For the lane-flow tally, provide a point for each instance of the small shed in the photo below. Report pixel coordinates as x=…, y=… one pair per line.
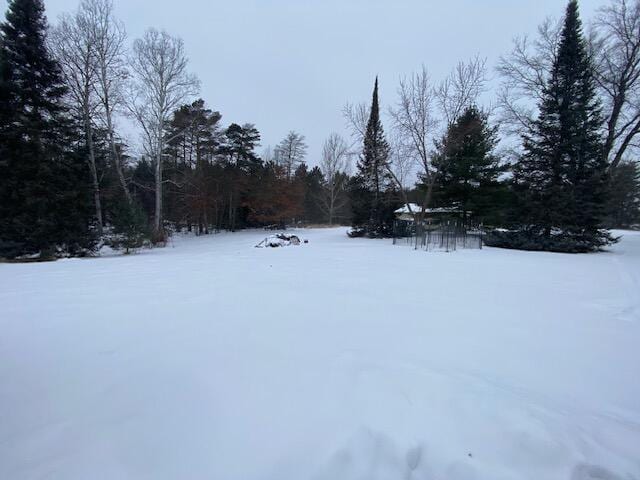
x=431, y=215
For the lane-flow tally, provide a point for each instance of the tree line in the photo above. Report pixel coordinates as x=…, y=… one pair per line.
x=68, y=179
x=550, y=160
x=568, y=110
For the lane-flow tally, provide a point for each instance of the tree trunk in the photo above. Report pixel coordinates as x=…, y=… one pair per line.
x=230, y=226
x=118, y=165
x=331, y=208
x=157, y=221
x=94, y=172
x=115, y=156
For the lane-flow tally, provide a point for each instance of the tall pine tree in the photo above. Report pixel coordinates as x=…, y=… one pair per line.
x=44, y=200
x=370, y=189
x=561, y=178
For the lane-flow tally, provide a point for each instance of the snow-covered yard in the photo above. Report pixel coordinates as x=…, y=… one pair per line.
x=341, y=359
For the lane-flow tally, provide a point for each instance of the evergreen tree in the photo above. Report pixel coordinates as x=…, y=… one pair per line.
x=194, y=139
x=370, y=189
x=142, y=186
x=130, y=226
x=314, y=182
x=44, y=196
x=561, y=178
x=623, y=206
x=467, y=169
x=297, y=190
x=276, y=199
x=241, y=160
x=291, y=151
x=360, y=201
x=240, y=145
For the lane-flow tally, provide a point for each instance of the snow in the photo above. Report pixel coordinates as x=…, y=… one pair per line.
x=346, y=359
x=415, y=208
x=279, y=240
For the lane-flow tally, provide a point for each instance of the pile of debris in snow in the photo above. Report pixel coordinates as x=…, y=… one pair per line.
x=280, y=240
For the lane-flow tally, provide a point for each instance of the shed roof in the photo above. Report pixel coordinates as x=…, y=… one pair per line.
x=415, y=208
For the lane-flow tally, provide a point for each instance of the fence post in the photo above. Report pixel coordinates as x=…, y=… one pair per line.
x=395, y=223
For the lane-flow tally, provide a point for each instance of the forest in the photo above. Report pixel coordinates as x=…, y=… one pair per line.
x=328, y=240
x=546, y=161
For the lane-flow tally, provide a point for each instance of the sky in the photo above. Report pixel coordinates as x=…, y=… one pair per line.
x=293, y=64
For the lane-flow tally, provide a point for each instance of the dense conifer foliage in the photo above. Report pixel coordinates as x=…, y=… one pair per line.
x=44, y=201
x=371, y=189
x=70, y=182
x=468, y=169
x=561, y=179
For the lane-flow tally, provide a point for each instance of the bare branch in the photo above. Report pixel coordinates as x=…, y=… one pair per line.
x=615, y=42
x=334, y=163
x=162, y=83
x=462, y=88
x=524, y=74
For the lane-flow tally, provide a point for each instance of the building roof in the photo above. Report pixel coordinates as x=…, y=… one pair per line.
x=415, y=208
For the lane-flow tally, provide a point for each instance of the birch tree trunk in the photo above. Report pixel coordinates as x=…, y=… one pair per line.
x=109, y=43
x=73, y=45
x=157, y=225
x=162, y=83
x=95, y=182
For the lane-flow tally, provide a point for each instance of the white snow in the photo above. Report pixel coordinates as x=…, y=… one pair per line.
x=347, y=359
x=415, y=208
x=279, y=240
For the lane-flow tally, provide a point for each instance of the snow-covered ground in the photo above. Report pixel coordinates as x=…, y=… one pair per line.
x=341, y=359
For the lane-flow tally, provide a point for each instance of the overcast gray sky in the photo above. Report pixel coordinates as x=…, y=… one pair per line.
x=292, y=64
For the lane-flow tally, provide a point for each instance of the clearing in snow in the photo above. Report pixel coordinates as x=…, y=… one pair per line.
x=343, y=359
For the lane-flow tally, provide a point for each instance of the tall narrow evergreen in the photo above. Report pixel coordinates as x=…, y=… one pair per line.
x=43, y=185
x=370, y=188
x=561, y=176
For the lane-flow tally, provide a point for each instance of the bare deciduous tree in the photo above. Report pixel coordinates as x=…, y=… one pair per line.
x=268, y=154
x=73, y=45
x=161, y=84
x=357, y=117
x=616, y=53
x=333, y=165
x=109, y=38
x=415, y=124
x=615, y=45
x=291, y=151
x=421, y=108
x=524, y=74
x=402, y=161
x=461, y=88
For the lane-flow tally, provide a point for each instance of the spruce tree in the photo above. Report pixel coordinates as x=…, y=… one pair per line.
x=130, y=226
x=623, y=206
x=371, y=187
x=467, y=168
x=561, y=178
x=43, y=185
